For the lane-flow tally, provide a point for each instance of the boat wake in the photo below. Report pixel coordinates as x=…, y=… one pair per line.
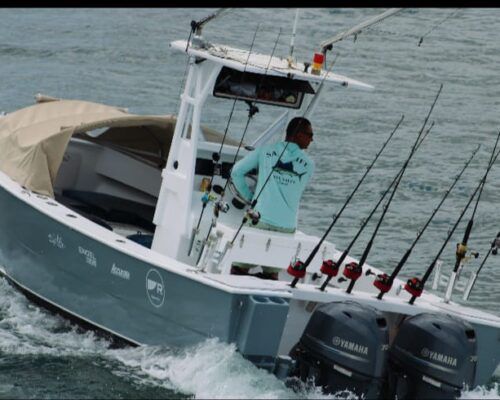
x=209, y=370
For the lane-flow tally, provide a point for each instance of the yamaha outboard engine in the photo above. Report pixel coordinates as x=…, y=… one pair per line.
x=432, y=357
x=344, y=347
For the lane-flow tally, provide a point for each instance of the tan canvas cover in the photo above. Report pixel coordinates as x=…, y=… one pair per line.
x=33, y=140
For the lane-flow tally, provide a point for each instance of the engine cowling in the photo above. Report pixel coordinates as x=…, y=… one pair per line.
x=344, y=347
x=433, y=356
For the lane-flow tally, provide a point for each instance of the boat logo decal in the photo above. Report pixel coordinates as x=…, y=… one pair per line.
x=119, y=272
x=56, y=240
x=89, y=256
x=348, y=345
x=155, y=288
x=439, y=357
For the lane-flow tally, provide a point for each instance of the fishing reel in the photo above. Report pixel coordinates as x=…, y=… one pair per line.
x=253, y=216
x=382, y=282
x=461, y=250
x=297, y=269
x=220, y=206
x=238, y=200
x=352, y=271
x=329, y=268
x=208, y=197
x=414, y=286
x=495, y=245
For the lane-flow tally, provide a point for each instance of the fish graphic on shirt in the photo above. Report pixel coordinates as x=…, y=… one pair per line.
x=287, y=168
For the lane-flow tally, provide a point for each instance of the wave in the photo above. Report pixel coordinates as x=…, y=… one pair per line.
x=211, y=369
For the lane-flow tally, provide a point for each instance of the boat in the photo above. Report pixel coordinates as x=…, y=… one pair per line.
x=118, y=221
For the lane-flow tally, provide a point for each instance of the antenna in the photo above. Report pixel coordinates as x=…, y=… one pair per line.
x=292, y=40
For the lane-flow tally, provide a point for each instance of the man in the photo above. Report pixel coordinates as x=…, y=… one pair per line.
x=290, y=170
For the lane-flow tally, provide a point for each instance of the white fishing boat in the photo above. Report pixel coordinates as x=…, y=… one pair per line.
x=123, y=222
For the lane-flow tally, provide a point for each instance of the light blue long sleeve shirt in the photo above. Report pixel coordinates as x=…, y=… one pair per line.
x=278, y=203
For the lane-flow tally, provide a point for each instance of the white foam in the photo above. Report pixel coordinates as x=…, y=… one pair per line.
x=209, y=370
x=481, y=392
x=28, y=329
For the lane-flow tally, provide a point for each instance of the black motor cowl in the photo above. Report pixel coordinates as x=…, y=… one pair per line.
x=432, y=357
x=344, y=347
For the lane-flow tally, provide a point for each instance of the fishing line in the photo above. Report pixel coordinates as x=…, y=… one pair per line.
x=253, y=215
x=216, y=156
x=364, y=256
x=420, y=138
x=337, y=216
x=219, y=205
x=338, y=263
x=415, y=286
x=257, y=88
x=384, y=282
x=462, y=247
x=437, y=25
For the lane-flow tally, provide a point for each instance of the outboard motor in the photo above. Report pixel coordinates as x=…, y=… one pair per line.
x=432, y=357
x=344, y=347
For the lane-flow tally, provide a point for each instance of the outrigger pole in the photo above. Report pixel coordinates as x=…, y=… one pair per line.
x=337, y=216
x=197, y=26
x=327, y=44
x=495, y=244
x=351, y=271
x=462, y=247
x=415, y=286
x=384, y=282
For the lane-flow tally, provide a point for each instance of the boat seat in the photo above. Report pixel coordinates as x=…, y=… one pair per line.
x=79, y=208
x=112, y=208
x=142, y=239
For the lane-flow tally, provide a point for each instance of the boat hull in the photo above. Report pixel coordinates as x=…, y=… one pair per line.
x=134, y=300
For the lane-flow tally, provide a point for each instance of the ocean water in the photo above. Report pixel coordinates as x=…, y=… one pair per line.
x=122, y=57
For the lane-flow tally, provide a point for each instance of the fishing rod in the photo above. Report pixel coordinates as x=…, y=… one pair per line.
x=384, y=282
x=220, y=205
x=216, y=156
x=330, y=267
x=251, y=213
x=351, y=270
x=364, y=256
x=313, y=253
x=415, y=286
x=495, y=244
x=462, y=247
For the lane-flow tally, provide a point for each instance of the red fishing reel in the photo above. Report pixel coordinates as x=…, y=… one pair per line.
x=414, y=286
x=352, y=271
x=329, y=268
x=382, y=283
x=297, y=269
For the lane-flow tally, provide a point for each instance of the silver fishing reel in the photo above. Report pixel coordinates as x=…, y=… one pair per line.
x=238, y=200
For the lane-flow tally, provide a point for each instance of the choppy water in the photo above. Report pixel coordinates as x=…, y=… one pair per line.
x=122, y=57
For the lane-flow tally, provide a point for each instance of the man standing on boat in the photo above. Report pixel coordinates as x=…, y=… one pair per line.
x=291, y=169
